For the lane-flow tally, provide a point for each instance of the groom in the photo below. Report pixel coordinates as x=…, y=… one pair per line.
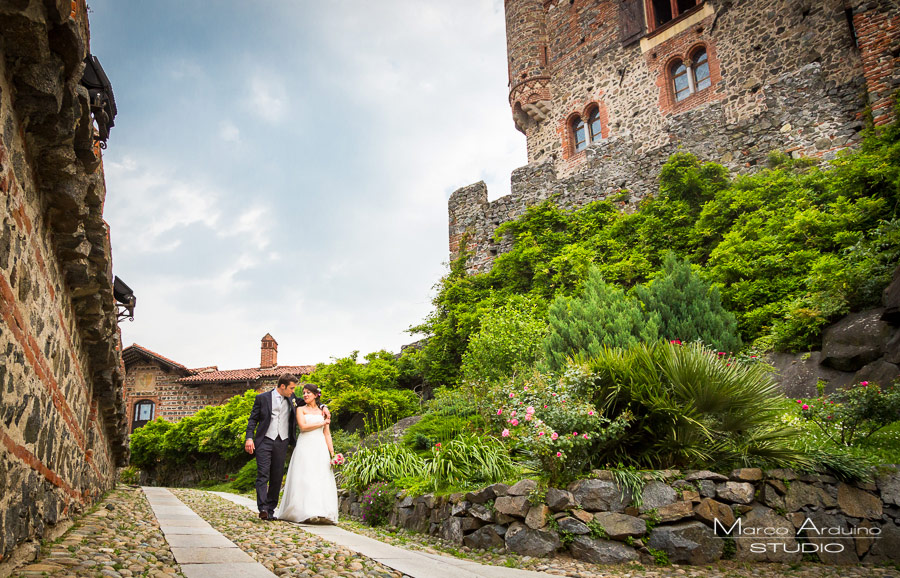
x=271, y=428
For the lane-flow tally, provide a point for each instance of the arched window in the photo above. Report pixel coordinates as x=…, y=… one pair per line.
x=594, y=127
x=143, y=413
x=680, y=80
x=578, y=134
x=700, y=67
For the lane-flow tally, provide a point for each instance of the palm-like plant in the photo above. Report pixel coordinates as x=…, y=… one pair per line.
x=691, y=407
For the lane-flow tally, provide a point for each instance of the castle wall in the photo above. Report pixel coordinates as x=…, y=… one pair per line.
x=785, y=75
x=61, y=412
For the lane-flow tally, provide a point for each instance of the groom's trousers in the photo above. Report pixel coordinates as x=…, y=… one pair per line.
x=270, y=456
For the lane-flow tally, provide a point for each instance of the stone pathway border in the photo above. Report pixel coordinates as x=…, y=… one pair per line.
x=414, y=564
x=199, y=549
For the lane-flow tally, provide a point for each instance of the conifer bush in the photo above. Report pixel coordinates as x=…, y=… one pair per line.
x=601, y=316
x=688, y=308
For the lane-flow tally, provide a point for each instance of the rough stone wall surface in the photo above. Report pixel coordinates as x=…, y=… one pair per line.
x=785, y=75
x=61, y=412
x=688, y=515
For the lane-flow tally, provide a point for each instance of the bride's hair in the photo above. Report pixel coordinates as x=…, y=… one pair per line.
x=313, y=389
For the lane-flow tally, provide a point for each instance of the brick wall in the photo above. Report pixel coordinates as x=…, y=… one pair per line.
x=61, y=411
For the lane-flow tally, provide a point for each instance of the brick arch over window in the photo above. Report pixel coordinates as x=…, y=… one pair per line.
x=688, y=78
x=577, y=133
x=144, y=411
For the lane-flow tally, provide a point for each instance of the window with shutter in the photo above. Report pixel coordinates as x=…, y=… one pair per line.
x=631, y=21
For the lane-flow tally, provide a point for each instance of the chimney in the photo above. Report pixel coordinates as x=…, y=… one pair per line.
x=268, y=353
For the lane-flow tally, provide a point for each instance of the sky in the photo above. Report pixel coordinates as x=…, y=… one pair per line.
x=284, y=166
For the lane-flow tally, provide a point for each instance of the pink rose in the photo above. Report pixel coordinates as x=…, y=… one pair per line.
x=540, y=433
x=526, y=388
x=591, y=412
x=528, y=417
x=530, y=409
x=512, y=395
x=575, y=433
x=554, y=435
x=864, y=383
x=499, y=412
x=515, y=422
x=513, y=413
x=505, y=433
x=559, y=454
x=585, y=436
x=805, y=406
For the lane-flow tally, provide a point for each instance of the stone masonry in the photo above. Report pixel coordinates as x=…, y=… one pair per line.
x=788, y=75
x=62, y=418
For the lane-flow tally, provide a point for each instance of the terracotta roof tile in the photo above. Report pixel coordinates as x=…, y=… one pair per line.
x=252, y=374
x=135, y=349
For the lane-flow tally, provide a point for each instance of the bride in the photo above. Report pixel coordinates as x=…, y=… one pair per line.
x=310, y=493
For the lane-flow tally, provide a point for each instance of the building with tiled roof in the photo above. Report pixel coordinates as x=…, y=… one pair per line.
x=156, y=386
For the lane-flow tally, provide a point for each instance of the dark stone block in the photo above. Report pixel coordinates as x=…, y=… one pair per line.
x=855, y=341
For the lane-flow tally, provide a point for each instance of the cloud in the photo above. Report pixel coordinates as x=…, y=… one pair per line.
x=229, y=133
x=266, y=97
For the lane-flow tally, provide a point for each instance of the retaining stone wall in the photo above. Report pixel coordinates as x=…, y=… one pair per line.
x=771, y=516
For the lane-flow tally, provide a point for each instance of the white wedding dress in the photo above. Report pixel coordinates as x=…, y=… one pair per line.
x=310, y=492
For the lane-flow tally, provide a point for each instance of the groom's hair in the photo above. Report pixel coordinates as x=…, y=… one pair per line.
x=287, y=378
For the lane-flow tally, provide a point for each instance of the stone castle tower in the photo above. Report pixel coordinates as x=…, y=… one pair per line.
x=606, y=90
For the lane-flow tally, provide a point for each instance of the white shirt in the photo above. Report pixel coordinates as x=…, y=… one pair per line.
x=281, y=413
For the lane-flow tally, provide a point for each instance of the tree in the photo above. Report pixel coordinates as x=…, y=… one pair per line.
x=602, y=316
x=688, y=308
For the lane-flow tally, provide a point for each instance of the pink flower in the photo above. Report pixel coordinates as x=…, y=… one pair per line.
x=805, y=406
x=864, y=383
x=525, y=388
x=545, y=407
x=505, y=433
x=512, y=395
x=499, y=412
x=559, y=454
x=438, y=444
x=675, y=342
x=591, y=412
x=513, y=413
x=540, y=433
x=799, y=401
x=528, y=417
x=554, y=435
x=575, y=433
x=515, y=422
x=585, y=436
x=530, y=409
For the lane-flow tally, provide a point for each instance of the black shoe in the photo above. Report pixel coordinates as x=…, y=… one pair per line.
x=263, y=515
x=272, y=517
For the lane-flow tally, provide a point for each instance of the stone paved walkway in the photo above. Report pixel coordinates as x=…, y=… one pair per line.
x=411, y=563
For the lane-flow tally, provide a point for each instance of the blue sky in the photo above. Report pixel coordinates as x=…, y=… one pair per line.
x=284, y=167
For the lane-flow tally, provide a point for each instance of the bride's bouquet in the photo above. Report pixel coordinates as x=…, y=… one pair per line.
x=338, y=460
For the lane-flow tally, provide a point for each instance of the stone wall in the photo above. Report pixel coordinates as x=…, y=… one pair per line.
x=62, y=419
x=694, y=517
x=787, y=75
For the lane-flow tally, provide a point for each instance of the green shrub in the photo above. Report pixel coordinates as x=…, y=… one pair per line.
x=376, y=503
x=343, y=441
x=850, y=416
x=688, y=406
x=450, y=414
x=129, y=475
x=688, y=308
x=147, y=443
x=245, y=480
x=380, y=463
x=468, y=461
x=601, y=316
x=507, y=341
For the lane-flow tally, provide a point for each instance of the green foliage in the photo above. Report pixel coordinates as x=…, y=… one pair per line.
x=449, y=415
x=245, y=480
x=849, y=416
x=213, y=431
x=507, y=340
x=376, y=503
x=468, y=461
x=688, y=309
x=344, y=442
x=380, y=463
x=602, y=316
x=129, y=475
x=660, y=557
x=688, y=406
x=377, y=386
x=790, y=249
